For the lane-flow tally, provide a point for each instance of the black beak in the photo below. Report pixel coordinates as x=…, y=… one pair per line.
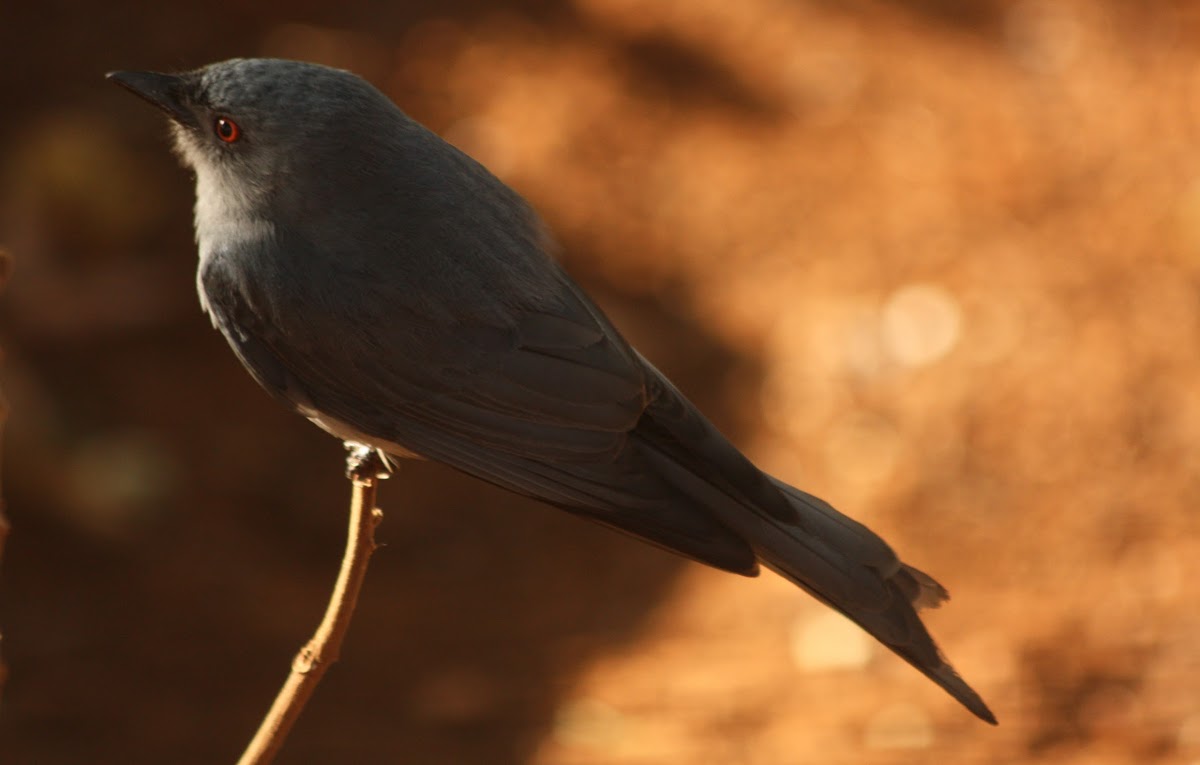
x=166, y=91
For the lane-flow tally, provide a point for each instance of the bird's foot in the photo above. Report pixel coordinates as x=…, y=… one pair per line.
x=366, y=463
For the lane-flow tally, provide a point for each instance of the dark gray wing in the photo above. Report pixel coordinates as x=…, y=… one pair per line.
x=537, y=398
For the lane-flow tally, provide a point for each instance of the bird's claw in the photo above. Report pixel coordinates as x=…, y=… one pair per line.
x=365, y=463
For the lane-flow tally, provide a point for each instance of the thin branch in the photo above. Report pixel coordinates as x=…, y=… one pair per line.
x=365, y=469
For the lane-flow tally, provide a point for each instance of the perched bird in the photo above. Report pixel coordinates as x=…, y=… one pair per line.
x=386, y=286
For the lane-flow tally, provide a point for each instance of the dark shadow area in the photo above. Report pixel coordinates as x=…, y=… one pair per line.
x=982, y=16
x=669, y=71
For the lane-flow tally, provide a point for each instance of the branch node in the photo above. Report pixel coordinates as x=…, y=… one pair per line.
x=306, y=660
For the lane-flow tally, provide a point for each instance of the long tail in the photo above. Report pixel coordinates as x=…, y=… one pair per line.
x=845, y=565
x=836, y=559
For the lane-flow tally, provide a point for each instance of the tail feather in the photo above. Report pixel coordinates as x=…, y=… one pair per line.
x=892, y=619
x=920, y=588
x=840, y=562
x=899, y=628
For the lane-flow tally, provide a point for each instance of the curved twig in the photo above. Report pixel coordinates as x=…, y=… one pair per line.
x=365, y=469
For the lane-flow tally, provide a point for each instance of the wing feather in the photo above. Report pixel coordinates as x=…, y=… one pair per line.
x=540, y=400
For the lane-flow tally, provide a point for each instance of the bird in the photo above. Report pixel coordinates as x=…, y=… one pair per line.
x=383, y=284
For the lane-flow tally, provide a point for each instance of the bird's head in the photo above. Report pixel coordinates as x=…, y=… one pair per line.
x=267, y=134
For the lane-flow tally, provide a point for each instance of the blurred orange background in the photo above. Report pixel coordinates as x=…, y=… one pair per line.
x=937, y=262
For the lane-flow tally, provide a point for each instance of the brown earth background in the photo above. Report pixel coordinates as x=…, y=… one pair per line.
x=935, y=261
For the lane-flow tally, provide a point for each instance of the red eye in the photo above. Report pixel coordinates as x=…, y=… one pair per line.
x=226, y=129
